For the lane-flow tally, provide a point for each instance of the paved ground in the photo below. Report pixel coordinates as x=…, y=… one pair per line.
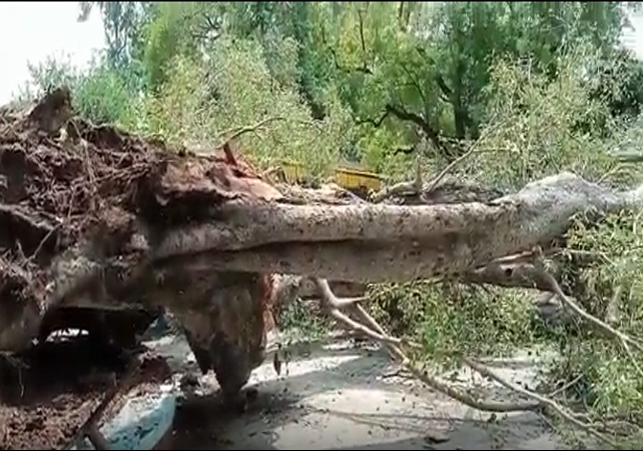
x=333, y=395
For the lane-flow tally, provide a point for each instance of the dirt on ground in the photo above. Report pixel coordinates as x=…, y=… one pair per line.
x=48, y=393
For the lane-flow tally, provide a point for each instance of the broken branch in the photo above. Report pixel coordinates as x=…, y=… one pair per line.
x=406, y=242
x=376, y=333
x=234, y=133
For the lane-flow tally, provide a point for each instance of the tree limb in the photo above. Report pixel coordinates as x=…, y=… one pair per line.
x=234, y=133
x=379, y=243
x=353, y=242
x=431, y=133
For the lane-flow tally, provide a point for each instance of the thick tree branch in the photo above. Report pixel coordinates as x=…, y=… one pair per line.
x=360, y=242
x=431, y=132
x=376, y=242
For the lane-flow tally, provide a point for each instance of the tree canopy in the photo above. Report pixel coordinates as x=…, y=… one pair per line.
x=388, y=81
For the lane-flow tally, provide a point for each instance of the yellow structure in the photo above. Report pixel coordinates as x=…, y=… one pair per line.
x=357, y=179
x=353, y=179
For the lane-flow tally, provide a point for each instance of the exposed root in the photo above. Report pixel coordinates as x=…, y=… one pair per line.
x=365, y=324
x=90, y=428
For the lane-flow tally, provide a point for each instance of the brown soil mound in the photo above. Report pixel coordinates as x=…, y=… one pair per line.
x=51, y=391
x=88, y=177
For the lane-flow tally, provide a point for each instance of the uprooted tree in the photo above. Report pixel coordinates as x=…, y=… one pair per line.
x=95, y=220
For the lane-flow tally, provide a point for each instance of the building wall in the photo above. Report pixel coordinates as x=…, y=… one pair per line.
x=632, y=38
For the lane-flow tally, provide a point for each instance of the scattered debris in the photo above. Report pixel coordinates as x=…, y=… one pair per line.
x=64, y=388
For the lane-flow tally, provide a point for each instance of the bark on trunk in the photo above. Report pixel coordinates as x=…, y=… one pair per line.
x=385, y=243
x=347, y=242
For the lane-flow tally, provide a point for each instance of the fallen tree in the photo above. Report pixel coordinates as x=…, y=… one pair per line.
x=97, y=219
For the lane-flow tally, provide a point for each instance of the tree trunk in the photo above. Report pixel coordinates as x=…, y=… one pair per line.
x=386, y=243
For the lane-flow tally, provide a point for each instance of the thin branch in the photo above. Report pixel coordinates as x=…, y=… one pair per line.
x=373, y=330
x=542, y=400
x=333, y=305
x=415, y=83
x=430, y=132
x=400, y=189
x=450, y=167
x=361, y=32
x=416, y=187
x=239, y=131
x=328, y=298
x=624, y=340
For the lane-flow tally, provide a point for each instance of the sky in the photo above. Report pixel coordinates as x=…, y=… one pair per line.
x=32, y=31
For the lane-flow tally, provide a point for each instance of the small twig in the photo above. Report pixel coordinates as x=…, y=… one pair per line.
x=632, y=157
x=566, y=386
x=625, y=340
x=618, y=167
x=271, y=171
x=433, y=183
x=19, y=365
x=515, y=258
x=474, y=147
x=416, y=185
x=412, y=187
x=612, y=312
x=399, y=371
x=539, y=398
x=40, y=246
x=238, y=131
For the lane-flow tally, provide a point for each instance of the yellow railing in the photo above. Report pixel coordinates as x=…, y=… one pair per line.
x=293, y=172
x=348, y=178
x=356, y=179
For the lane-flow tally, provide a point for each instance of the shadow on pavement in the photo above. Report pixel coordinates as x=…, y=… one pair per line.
x=287, y=414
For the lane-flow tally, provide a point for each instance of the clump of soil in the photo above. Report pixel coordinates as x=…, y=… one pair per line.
x=84, y=210
x=58, y=184
x=49, y=392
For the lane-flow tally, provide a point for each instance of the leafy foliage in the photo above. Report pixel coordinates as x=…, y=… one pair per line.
x=609, y=384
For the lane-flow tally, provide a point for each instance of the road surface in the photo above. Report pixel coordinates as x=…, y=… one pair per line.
x=334, y=395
